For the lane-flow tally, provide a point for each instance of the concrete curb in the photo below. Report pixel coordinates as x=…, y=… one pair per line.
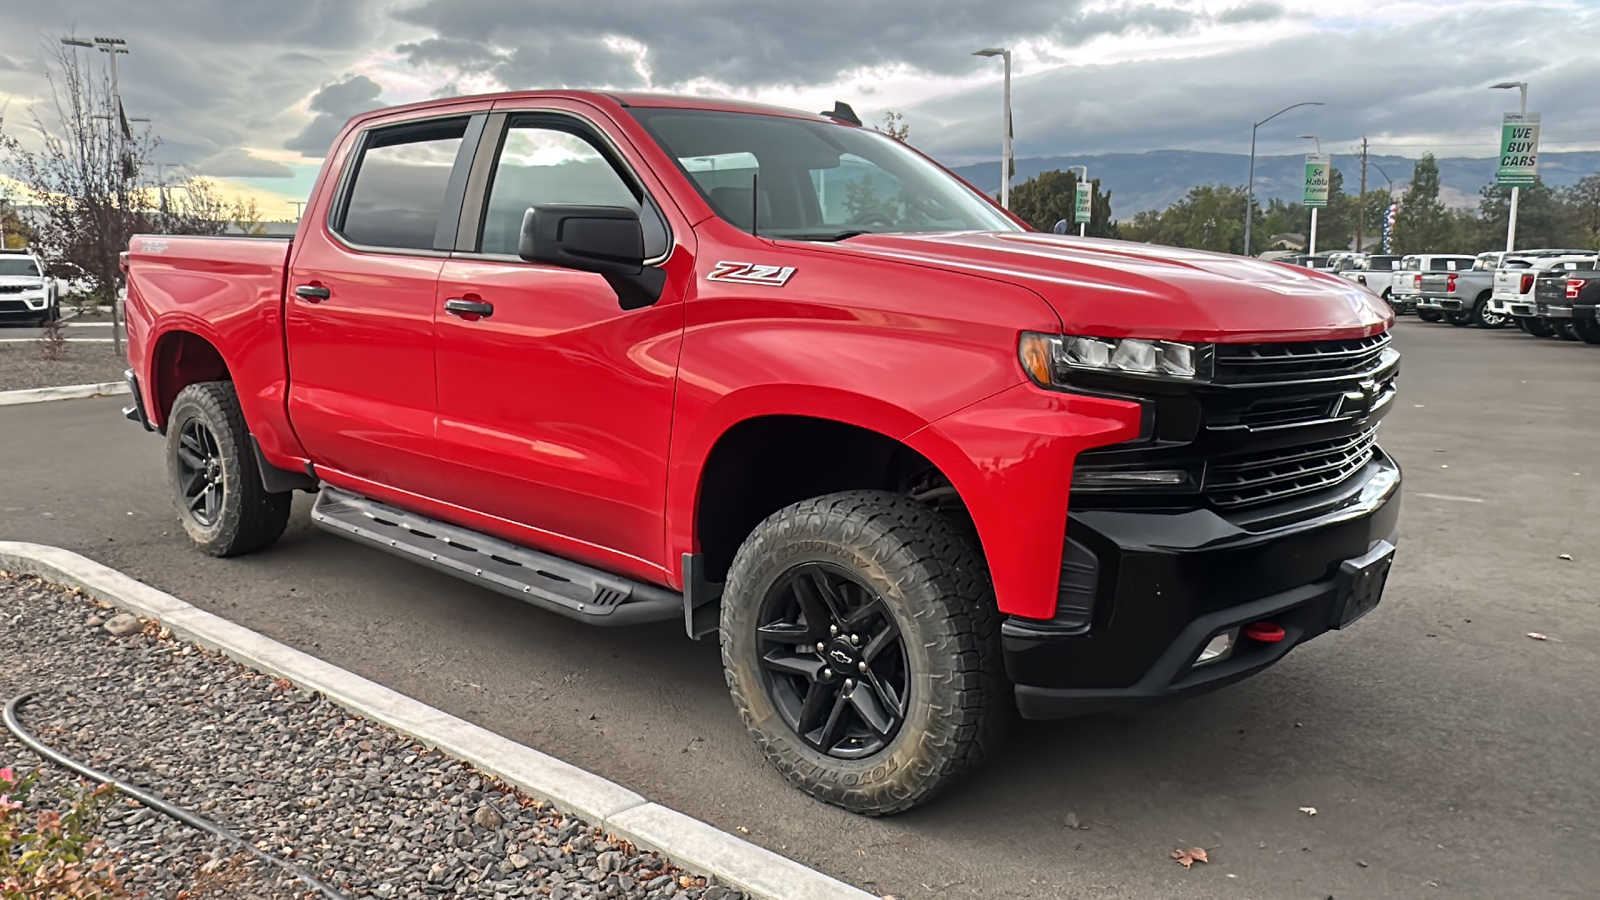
x=65, y=392
x=688, y=841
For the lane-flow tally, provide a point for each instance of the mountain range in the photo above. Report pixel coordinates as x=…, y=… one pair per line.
x=1159, y=178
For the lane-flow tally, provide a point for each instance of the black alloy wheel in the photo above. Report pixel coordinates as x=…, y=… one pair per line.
x=833, y=661
x=200, y=477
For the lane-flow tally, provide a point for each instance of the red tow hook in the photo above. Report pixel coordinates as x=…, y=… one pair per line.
x=1265, y=632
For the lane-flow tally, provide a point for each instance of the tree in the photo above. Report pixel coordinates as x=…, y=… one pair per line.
x=1543, y=219
x=81, y=166
x=1423, y=224
x=894, y=126
x=1049, y=197
x=244, y=216
x=1584, y=199
x=1207, y=218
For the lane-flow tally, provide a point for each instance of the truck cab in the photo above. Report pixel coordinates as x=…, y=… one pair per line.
x=779, y=378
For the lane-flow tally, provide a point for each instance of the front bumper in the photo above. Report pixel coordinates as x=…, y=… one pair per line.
x=23, y=306
x=1172, y=581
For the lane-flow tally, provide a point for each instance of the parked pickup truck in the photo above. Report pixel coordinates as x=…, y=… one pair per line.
x=1376, y=273
x=1514, y=285
x=1462, y=298
x=633, y=359
x=1406, y=293
x=1566, y=298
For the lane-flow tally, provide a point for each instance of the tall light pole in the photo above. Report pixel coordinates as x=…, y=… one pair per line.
x=1250, y=186
x=1083, y=227
x=1516, y=192
x=1388, y=240
x=1005, y=145
x=1311, y=249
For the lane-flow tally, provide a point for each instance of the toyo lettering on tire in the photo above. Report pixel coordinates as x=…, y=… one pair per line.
x=216, y=484
x=860, y=641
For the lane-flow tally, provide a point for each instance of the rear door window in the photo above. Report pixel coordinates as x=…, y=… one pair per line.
x=396, y=198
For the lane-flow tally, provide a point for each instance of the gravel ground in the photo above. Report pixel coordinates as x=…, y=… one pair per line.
x=359, y=806
x=23, y=366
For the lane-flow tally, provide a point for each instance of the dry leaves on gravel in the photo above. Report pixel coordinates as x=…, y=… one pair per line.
x=1187, y=858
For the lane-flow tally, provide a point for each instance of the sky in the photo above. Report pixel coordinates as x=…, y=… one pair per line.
x=252, y=93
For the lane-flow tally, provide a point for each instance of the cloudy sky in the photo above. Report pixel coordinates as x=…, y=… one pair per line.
x=252, y=92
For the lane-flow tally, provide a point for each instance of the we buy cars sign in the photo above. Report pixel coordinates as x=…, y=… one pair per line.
x=1519, y=149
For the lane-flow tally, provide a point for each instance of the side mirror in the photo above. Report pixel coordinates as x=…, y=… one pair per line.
x=606, y=240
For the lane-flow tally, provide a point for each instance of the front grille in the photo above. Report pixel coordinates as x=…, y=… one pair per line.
x=13, y=306
x=1298, y=361
x=1255, y=478
x=15, y=288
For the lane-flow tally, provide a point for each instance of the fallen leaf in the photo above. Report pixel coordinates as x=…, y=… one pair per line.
x=1537, y=636
x=1189, y=857
x=1565, y=556
x=1309, y=810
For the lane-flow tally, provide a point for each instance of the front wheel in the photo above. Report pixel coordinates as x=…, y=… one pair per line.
x=860, y=641
x=216, y=483
x=1483, y=317
x=1429, y=315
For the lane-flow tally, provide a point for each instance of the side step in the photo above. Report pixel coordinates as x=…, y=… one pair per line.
x=571, y=589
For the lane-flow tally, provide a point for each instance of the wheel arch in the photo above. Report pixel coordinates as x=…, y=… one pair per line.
x=178, y=359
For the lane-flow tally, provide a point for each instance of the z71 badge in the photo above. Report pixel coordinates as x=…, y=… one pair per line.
x=751, y=273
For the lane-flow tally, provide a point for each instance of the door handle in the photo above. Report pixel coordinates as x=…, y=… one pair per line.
x=314, y=293
x=460, y=306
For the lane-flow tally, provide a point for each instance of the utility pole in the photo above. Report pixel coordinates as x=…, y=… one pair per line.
x=1250, y=184
x=1005, y=145
x=1361, y=205
x=299, y=209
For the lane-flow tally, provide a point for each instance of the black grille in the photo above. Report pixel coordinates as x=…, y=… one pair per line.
x=1298, y=361
x=15, y=288
x=13, y=306
x=1255, y=478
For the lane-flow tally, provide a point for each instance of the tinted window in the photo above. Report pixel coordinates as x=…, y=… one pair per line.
x=1383, y=263
x=17, y=265
x=398, y=194
x=540, y=165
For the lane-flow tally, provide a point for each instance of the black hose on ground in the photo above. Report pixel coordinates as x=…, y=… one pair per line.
x=151, y=801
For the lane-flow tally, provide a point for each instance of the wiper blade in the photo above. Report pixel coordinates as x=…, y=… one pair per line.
x=819, y=235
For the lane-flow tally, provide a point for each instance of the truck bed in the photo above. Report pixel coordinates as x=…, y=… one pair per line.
x=225, y=290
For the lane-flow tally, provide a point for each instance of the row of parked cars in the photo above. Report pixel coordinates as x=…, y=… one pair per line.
x=1548, y=293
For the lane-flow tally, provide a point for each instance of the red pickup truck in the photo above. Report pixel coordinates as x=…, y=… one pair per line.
x=634, y=358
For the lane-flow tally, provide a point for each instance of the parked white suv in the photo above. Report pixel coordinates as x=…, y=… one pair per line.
x=26, y=294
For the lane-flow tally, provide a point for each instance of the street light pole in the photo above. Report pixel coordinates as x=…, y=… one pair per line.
x=1005, y=144
x=1388, y=240
x=1311, y=249
x=1083, y=227
x=1516, y=192
x=1250, y=186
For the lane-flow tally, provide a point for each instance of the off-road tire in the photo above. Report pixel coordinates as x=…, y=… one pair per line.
x=1430, y=315
x=935, y=583
x=249, y=518
x=1587, y=330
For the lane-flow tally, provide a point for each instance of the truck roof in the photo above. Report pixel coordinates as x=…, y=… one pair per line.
x=615, y=99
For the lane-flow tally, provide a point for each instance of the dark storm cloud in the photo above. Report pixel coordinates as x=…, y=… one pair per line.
x=750, y=44
x=1387, y=84
x=334, y=105
x=212, y=76
x=238, y=163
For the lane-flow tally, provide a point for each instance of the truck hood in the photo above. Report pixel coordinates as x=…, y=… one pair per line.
x=1118, y=289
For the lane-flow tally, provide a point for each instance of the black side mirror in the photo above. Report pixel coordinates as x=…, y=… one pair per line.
x=606, y=240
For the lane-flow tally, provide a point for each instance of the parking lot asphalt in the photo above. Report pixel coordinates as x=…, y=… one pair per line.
x=1446, y=753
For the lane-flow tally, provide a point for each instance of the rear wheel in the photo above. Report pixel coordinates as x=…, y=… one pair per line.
x=1587, y=330
x=1429, y=315
x=216, y=483
x=1482, y=316
x=1459, y=319
x=860, y=641
x=1563, y=330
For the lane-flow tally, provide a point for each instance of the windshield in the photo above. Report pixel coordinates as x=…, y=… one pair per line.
x=18, y=265
x=816, y=180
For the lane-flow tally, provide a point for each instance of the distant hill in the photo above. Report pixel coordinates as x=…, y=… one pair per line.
x=1159, y=178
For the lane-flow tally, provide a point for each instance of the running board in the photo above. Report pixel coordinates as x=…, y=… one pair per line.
x=571, y=589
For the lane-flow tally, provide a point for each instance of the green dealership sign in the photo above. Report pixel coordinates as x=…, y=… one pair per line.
x=1318, y=167
x=1519, y=149
x=1081, y=209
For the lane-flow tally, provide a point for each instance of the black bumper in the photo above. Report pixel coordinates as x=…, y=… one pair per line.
x=1171, y=581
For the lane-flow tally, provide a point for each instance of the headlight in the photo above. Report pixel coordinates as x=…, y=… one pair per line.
x=1049, y=359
